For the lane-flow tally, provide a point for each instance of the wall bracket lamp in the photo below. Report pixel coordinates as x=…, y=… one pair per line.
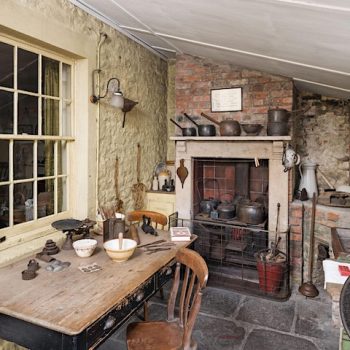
x=116, y=96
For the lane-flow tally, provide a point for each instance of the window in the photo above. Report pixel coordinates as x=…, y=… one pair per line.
x=35, y=133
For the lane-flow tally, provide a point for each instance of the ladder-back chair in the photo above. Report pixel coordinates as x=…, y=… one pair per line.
x=176, y=332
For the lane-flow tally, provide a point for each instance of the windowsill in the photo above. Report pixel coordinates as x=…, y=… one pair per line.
x=26, y=245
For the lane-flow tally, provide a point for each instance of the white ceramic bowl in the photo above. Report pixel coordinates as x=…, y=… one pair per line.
x=85, y=247
x=113, y=251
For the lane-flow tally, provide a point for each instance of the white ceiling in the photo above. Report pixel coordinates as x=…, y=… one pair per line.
x=308, y=40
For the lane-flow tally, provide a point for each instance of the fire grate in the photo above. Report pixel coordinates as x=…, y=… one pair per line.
x=237, y=257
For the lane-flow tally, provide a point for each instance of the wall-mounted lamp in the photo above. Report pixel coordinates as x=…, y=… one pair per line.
x=116, y=96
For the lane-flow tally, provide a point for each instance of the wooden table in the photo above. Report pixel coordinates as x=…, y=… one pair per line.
x=72, y=310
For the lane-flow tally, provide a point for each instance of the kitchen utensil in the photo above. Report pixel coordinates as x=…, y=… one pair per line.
x=251, y=212
x=290, y=158
x=228, y=127
x=134, y=233
x=164, y=176
x=158, y=241
x=120, y=239
x=138, y=190
x=85, y=247
x=277, y=115
x=120, y=255
x=308, y=288
x=182, y=172
x=251, y=129
x=274, y=249
x=185, y=131
x=204, y=129
x=226, y=210
x=207, y=205
x=308, y=177
x=277, y=129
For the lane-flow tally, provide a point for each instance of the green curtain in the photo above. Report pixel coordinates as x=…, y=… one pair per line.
x=51, y=123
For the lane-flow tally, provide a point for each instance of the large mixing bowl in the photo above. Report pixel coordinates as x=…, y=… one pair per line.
x=120, y=255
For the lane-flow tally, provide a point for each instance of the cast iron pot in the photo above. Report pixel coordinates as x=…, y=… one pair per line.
x=278, y=115
x=226, y=211
x=251, y=212
x=186, y=131
x=208, y=205
x=228, y=127
x=277, y=129
x=204, y=129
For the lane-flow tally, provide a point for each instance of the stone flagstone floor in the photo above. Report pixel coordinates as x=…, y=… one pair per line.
x=232, y=321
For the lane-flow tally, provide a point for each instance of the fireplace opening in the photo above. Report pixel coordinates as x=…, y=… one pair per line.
x=231, y=190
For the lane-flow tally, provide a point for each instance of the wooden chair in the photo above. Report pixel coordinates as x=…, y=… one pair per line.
x=158, y=220
x=175, y=333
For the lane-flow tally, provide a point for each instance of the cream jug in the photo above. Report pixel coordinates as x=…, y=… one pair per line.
x=308, y=178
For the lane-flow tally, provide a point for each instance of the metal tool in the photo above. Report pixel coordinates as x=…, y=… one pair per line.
x=156, y=250
x=308, y=288
x=151, y=243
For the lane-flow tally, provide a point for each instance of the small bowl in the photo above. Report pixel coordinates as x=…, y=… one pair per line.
x=113, y=251
x=251, y=129
x=84, y=247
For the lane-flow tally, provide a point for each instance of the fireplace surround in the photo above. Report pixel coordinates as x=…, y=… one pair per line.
x=267, y=148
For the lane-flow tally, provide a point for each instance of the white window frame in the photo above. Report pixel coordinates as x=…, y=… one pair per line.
x=38, y=223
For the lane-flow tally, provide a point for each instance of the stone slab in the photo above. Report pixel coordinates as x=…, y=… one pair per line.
x=267, y=313
x=268, y=340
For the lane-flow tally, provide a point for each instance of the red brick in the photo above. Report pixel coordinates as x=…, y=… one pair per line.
x=294, y=221
x=296, y=237
x=296, y=229
x=332, y=216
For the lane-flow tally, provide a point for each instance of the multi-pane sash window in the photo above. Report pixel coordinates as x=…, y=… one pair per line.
x=35, y=132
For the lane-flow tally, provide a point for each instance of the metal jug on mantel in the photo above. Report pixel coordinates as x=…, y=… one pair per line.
x=308, y=177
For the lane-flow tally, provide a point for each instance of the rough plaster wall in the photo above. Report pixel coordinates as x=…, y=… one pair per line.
x=323, y=135
x=171, y=108
x=143, y=78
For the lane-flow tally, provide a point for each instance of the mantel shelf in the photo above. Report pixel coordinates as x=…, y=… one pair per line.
x=231, y=138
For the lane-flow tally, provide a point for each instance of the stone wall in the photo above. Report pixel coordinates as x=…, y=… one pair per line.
x=196, y=76
x=143, y=77
x=323, y=135
x=300, y=227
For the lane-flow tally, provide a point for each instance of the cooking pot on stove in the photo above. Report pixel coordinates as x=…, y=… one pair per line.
x=226, y=211
x=252, y=213
x=208, y=205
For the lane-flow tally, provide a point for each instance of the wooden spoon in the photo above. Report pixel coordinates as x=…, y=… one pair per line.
x=120, y=237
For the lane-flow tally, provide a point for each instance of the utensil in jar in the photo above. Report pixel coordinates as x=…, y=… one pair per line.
x=228, y=127
x=203, y=129
x=185, y=131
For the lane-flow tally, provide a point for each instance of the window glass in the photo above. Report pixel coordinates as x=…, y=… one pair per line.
x=50, y=117
x=4, y=206
x=62, y=157
x=23, y=202
x=4, y=161
x=6, y=112
x=66, y=119
x=27, y=114
x=6, y=65
x=62, y=194
x=23, y=160
x=46, y=190
x=66, y=80
x=46, y=158
x=27, y=70
x=50, y=77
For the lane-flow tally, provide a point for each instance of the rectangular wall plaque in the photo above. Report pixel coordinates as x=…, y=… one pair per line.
x=226, y=100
